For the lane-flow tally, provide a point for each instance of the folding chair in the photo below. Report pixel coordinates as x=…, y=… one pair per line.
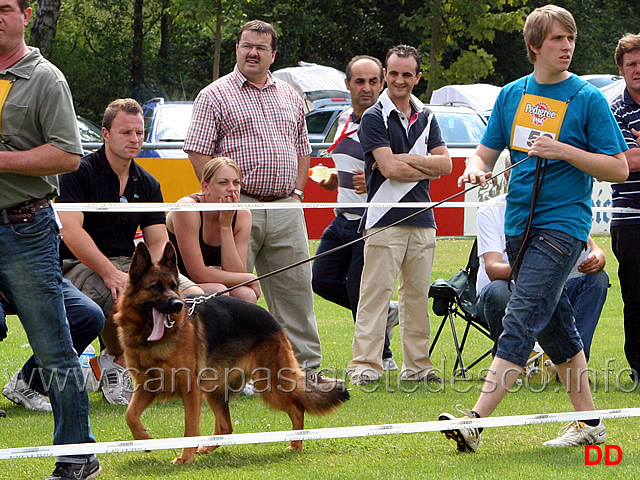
x=455, y=298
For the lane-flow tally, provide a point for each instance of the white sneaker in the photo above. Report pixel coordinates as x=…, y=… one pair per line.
x=19, y=392
x=392, y=318
x=389, y=364
x=467, y=438
x=249, y=389
x=577, y=434
x=114, y=379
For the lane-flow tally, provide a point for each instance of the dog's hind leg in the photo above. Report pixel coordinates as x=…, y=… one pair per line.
x=192, y=401
x=296, y=414
x=220, y=408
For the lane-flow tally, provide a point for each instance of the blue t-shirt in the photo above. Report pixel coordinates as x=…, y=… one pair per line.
x=564, y=202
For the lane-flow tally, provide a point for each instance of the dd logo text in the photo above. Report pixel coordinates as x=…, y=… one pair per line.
x=608, y=460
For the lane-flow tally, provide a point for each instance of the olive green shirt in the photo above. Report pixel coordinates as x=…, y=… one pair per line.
x=38, y=110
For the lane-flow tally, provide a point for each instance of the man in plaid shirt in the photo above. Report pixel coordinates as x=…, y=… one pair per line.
x=259, y=121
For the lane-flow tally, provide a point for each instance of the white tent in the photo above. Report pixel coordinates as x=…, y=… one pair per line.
x=479, y=96
x=314, y=82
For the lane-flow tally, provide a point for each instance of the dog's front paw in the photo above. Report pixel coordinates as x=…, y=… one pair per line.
x=181, y=459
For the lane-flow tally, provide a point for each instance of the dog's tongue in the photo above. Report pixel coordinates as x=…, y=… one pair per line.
x=158, y=326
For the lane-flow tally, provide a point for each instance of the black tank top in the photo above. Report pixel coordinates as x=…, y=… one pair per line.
x=211, y=254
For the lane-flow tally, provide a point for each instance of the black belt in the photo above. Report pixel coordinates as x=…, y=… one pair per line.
x=263, y=198
x=24, y=212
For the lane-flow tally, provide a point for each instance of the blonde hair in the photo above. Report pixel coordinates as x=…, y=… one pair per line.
x=539, y=22
x=215, y=164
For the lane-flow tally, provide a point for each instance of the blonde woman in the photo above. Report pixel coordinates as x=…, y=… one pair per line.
x=212, y=245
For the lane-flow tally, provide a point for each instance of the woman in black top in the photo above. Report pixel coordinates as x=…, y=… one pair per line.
x=212, y=245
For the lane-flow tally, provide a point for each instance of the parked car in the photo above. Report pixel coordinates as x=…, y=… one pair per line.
x=601, y=80
x=89, y=131
x=460, y=125
x=166, y=122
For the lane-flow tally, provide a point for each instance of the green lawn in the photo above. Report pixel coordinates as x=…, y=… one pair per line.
x=509, y=452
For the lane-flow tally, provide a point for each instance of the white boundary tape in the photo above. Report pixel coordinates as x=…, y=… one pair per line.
x=167, y=207
x=310, y=434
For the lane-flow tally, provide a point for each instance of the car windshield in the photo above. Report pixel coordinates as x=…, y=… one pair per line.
x=173, y=122
x=461, y=127
x=89, y=132
x=317, y=121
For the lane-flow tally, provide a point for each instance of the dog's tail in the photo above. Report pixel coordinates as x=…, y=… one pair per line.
x=320, y=397
x=289, y=386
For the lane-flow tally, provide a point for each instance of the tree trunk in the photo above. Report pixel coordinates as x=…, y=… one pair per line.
x=435, y=38
x=137, y=65
x=165, y=22
x=218, y=40
x=45, y=22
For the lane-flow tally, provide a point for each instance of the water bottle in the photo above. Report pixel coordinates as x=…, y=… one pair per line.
x=320, y=172
x=85, y=362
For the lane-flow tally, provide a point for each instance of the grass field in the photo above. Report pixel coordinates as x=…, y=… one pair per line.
x=506, y=452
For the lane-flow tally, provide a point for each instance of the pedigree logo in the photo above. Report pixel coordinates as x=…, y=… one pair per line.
x=589, y=460
x=539, y=112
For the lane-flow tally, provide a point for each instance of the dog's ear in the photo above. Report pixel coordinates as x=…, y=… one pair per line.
x=169, y=258
x=140, y=263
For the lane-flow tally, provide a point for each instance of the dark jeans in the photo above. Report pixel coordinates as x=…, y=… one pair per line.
x=31, y=279
x=86, y=321
x=336, y=277
x=539, y=307
x=624, y=241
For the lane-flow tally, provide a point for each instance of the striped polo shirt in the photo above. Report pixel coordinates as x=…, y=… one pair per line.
x=347, y=155
x=627, y=194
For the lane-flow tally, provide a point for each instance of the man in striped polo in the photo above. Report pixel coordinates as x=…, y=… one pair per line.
x=625, y=227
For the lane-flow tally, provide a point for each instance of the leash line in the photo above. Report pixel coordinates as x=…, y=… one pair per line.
x=311, y=434
x=362, y=238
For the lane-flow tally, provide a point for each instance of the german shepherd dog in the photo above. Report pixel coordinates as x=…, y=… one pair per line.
x=212, y=352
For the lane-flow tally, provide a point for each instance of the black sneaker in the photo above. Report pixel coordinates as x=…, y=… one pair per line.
x=76, y=471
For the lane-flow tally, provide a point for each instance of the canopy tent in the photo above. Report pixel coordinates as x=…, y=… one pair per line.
x=315, y=82
x=479, y=96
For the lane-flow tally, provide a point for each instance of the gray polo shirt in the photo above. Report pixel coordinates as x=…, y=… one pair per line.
x=38, y=110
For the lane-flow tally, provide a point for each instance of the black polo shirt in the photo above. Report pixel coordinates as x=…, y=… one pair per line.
x=95, y=181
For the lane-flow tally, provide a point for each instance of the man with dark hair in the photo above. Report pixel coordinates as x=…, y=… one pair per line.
x=98, y=246
x=403, y=150
x=39, y=141
x=336, y=276
x=625, y=227
x=259, y=122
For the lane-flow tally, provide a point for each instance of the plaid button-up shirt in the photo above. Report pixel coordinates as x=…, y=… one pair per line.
x=263, y=130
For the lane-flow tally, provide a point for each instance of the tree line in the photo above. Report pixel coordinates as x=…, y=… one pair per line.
x=172, y=48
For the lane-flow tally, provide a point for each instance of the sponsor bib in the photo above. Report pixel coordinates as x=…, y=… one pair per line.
x=536, y=116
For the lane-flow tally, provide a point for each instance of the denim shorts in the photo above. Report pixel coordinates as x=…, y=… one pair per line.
x=539, y=307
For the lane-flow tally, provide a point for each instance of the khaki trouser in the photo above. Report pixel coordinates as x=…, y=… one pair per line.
x=404, y=254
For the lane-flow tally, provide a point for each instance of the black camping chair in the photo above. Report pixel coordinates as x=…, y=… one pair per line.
x=455, y=298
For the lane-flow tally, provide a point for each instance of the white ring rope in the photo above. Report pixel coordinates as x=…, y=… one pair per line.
x=167, y=207
x=310, y=434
